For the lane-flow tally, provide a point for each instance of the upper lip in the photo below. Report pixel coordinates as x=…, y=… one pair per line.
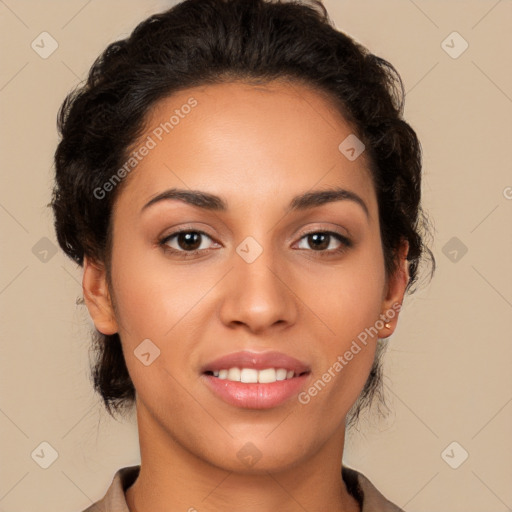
x=257, y=361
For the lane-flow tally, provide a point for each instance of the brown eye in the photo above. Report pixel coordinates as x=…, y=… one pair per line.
x=185, y=241
x=319, y=241
x=324, y=242
x=189, y=241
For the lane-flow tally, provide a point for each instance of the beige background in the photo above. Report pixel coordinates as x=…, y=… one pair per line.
x=448, y=366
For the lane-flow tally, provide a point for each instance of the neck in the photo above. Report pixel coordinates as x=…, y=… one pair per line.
x=173, y=478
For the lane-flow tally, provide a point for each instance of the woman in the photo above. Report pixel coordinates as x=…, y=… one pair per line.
x=244, y=196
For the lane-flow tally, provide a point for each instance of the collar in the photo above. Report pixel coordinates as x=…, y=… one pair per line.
x=368, y=497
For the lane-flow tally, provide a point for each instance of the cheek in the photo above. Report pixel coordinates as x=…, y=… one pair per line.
x=349, y=297
x=345, y=358
x=349, y=301
x=150, y=295
x=161, y=304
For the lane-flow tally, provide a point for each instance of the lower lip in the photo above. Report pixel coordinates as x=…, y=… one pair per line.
x=255, y=395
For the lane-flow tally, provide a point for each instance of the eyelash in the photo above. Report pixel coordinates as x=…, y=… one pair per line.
x=345, y=243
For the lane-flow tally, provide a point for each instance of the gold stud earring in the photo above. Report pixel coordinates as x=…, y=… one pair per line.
x=387, y=325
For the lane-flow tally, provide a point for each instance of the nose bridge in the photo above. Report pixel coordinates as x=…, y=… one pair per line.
x=258, y=295
x=255, y=264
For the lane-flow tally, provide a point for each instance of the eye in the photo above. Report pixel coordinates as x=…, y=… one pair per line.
x=323, y=241
x=186, y=242
x=189, y=243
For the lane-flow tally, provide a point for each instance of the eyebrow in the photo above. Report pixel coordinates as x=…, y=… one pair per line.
x=301, y=202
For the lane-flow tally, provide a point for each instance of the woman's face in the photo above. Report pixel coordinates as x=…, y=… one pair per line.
x=274, y=272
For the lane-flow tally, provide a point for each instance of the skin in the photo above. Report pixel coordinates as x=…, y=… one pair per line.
x=257, y=148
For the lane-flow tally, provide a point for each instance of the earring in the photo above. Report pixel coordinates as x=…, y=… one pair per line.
x=387, y=325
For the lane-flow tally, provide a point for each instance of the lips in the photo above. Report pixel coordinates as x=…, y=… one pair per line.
x=254, y=392
x=257, y=361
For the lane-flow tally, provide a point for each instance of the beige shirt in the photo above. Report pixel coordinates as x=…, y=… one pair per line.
x=369, y=498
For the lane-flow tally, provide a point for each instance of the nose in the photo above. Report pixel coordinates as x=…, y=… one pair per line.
x=258, y=295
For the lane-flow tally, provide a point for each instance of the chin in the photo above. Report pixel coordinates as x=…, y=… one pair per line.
x=254, y=455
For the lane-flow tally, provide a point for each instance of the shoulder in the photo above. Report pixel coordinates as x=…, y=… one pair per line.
x=366, y=493
x=114, y=499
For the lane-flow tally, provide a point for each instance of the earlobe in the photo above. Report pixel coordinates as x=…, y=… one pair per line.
x=397, y=285
x=97, y=297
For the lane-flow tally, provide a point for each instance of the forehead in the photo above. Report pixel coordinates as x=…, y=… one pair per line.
x=243, y=140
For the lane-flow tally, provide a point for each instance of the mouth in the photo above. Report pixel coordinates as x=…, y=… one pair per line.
x=252, y=380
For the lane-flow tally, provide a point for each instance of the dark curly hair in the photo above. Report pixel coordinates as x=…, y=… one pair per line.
x=200, y=42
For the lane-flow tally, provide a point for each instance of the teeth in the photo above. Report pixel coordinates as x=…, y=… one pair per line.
x=251, y=376
x=268, y=375
x=281, y=374
x=248, y=375
x=234, y=374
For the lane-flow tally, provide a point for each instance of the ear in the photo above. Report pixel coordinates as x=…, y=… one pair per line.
x=97, y=297
x=395, y=291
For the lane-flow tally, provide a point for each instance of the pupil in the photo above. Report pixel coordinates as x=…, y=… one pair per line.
x=189, y=239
